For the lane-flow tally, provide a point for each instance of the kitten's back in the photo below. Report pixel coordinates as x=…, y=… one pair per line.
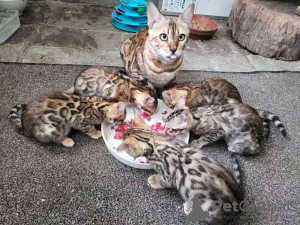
x=212, y=91
x=190, y=171
x=95, y=81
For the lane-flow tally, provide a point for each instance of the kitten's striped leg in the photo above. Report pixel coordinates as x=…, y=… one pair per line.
x=244, y=145
x=91, y=131
x=157, y=181
x=95, y=134
x=137, y=77
x=205, y=139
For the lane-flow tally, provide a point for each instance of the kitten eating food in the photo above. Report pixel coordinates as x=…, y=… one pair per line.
x=179, y=166
x=51, y=119
x=213, y=91
x=110, y=84
x=241, y=126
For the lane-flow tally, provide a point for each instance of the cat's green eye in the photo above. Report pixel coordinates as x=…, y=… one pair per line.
x=181, y=37
x=163, y=37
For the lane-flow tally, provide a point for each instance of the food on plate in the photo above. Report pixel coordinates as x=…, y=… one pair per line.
x=146, y=116
x=113, y=134
x=141, y=159
x=122, y=128
x=159, y=128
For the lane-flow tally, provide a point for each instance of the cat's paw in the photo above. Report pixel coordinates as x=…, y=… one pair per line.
x=137, y=76
x=95, y=134
x=187, y=207
x=154, y=182
x=70, y=90
x=194, y=143
x=68, y=142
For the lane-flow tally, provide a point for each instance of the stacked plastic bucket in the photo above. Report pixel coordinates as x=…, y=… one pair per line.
x=130, y=15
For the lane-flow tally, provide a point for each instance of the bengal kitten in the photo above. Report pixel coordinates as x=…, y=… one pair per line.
x=179, y=166
x=214, y=91
x=51, y=119
x=111, y=84
x=238, y=124
x=156, y=53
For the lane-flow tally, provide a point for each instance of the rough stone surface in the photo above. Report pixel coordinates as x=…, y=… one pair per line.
x=45, y=54
x=80, y=33
x=261, y=63
x=48, y=184
x=268, y=28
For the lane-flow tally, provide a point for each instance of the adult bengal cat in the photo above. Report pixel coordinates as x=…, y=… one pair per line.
x=156, y=53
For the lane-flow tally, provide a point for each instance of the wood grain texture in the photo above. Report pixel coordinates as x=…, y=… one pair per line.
x=268, y=28
x=298, y=11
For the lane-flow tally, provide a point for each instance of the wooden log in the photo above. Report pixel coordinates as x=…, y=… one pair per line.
x=268, y=28
x=298, y=11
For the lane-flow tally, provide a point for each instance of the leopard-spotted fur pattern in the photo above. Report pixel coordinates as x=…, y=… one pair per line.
x=185, y=168
x=238, y=124
x=51, y=118
x=113, y=85
x=156, y=53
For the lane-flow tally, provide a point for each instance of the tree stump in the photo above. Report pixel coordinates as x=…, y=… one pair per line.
x=298, y=11
x=266, y=27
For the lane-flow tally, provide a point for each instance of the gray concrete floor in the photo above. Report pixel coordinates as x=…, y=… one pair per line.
x=60, y=32
x=48, y=184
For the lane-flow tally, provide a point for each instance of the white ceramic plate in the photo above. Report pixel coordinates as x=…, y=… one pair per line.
x=108, y=133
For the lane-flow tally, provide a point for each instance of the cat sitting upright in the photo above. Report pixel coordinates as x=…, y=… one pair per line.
x=156, y=53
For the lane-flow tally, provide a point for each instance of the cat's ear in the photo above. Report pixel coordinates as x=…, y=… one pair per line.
x=185, y=115
x=149, y=101
x=180, y=104
x=120, y=108
x=115, y=94
x=138, y=122
x=167, y=95
x=153, y=15
x=187, y=15
x=125, y=146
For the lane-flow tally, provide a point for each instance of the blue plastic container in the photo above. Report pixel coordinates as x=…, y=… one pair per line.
x=130, y=15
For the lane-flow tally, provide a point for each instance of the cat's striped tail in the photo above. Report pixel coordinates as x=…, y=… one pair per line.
x=16, y=114
x=237, y=174
x=236, y=168
x=268, y=116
